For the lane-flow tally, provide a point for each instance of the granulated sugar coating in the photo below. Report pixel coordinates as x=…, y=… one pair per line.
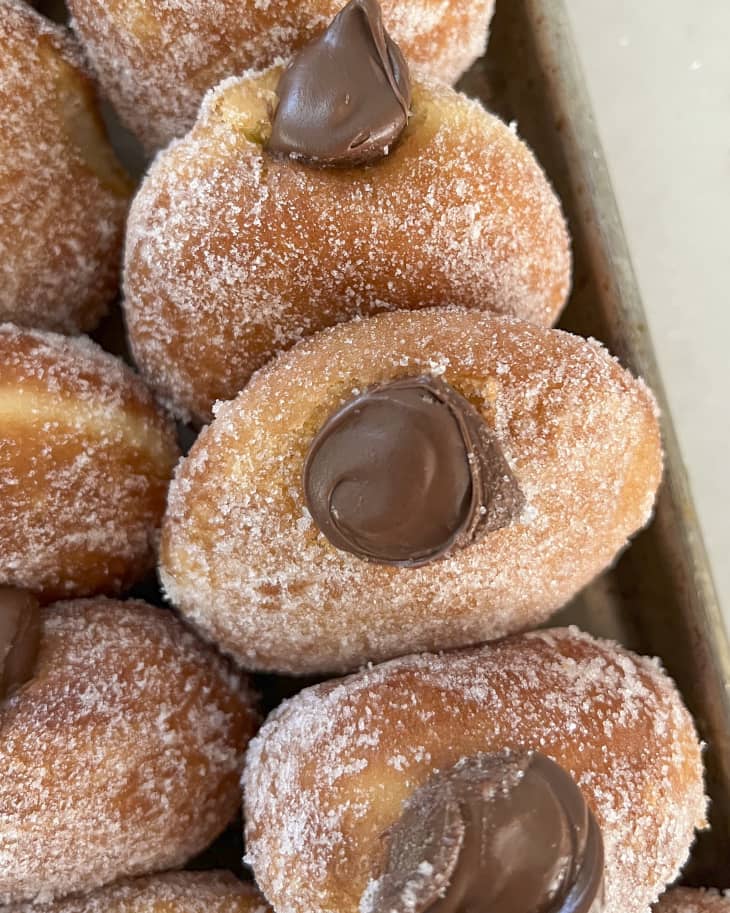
x=156, y=58
x=233, y=255
x=85, y=460
x=63, y=196
x=242, y=558
x=121, y=756
x=693, y=900
x=329, y=771
x=174, y=892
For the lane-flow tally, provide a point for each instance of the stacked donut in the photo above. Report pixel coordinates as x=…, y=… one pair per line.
x=343, y=273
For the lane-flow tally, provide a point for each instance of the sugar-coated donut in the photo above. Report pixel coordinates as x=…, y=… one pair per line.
x=693, y=900
x=85, y=461
x=156, y=59
x=173, y=892
x=64, y=195
x=121, y=754
x=572, y=462
x=234, y=253
x=328, y=775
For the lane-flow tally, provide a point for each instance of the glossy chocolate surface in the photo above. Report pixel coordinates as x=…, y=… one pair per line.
x=407, y=472
x=507, y=833
x=345, y=98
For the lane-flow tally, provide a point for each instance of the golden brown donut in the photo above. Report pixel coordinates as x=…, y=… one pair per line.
x=242, y=559
x=85, y=461
x=121, y=754
x=174, y=892
x=233, y=254
x=693, y=900
x=64, y=195
x=329, y=772
x=156, y=59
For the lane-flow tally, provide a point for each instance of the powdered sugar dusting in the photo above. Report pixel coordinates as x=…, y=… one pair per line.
x=320, y=791
x=174, y=892
x=85, y=460
x=233, y=255
x=242, y=558
x=121, y=756
x=62, y=195
x=694, y=900
x=157, y=58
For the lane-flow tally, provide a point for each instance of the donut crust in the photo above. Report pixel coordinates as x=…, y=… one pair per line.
x=86, y=456
x=242, y=559
x=329, y=771
x=173, y=892
x=64, y=194
x=121, y=756
x=693, y=900
x=156, y=59
x=233, y=255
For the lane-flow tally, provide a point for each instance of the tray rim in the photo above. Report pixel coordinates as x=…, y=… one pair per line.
x=580, y=128
x=692, y=611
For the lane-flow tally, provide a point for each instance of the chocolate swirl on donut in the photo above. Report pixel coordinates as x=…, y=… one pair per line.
x=406, y=473
x=507, y=833
x=346, y=96
x=20, y=633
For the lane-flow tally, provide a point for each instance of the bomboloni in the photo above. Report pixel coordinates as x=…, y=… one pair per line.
x=531, y=770
x=64, y=195
x=121, y=743
x=86, y=456
x=256, y=230
x=418, y=480
x=156, y=59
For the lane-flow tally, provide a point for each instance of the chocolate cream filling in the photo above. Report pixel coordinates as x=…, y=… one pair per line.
x=508, y=833
x=406, y=473
x=345, y=98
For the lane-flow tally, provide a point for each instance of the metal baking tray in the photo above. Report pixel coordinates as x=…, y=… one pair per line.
x=659, y=598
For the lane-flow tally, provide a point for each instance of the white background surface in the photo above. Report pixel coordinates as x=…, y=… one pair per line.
x=659, y=76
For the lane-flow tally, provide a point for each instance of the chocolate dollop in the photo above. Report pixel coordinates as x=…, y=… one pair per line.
x=346, y=96
x=20, y=632
x=407, y=472
x=508, y=833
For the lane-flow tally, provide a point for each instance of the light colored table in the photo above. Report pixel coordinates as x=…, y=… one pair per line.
x=659, y=75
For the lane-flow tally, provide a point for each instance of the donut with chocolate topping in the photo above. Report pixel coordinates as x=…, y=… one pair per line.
x=156, y=59
x=336, y=188
x=694, y=900
x=407, y=472
x=64, y=195
x=173, y=892
x=121, y=752
x=418, y=480
x=85, y=460
x=548, y=772
x=509, y=831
